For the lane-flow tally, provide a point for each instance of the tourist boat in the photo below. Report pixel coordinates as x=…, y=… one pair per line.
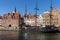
x=50, y=29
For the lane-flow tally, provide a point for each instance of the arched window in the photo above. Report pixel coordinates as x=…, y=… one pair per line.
x=9, y=25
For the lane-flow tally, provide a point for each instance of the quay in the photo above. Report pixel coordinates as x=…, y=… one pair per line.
x=33, y=29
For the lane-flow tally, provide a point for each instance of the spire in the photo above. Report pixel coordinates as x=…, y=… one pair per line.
x=14, y=11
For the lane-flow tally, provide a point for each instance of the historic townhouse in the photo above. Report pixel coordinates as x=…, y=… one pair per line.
x=32, y=20
x=11, y=20
x=14, y=19
x=46, y=18
x=55, y=17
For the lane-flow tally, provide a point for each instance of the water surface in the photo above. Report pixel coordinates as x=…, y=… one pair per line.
x=14, y=35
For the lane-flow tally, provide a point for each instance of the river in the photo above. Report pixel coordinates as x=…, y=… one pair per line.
x=14, y=35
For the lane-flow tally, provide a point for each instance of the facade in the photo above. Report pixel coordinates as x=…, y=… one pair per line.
x=29, y=19
x=14, y=19
x=40, y=21
x=59, y=19
x=11, y=20
x=0, y=20
x=32, y=20
x=46, y=18
x=55, y=17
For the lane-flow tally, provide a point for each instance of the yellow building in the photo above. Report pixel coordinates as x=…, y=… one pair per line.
x=54, y=18
x=46, y=18
x=55, y=15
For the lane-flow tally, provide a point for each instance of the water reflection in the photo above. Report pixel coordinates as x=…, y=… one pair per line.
x=13, y=35
x=41, y=36
x=8, y=35
x=21, y=36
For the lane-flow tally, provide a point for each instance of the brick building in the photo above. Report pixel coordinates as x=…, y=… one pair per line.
x=11, y=20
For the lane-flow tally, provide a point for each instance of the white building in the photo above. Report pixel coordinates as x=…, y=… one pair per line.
x=30, y=20
x=40, y=21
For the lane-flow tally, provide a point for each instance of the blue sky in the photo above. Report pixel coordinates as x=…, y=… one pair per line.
x=7, y=6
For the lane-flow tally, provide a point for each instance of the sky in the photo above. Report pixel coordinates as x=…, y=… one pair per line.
x=7, y=6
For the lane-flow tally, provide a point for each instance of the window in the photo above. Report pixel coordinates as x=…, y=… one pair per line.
x=9, y=25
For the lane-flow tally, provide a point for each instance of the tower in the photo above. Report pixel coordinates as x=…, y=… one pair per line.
x=14, y=11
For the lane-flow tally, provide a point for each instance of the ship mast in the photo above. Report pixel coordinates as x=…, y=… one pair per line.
x=50, y=12
x=36, y=10
x=25, y=10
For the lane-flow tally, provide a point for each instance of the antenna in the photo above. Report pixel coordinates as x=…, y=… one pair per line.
x=15, y=9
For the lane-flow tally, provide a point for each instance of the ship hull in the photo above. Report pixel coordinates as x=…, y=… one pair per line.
x=50, y=29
